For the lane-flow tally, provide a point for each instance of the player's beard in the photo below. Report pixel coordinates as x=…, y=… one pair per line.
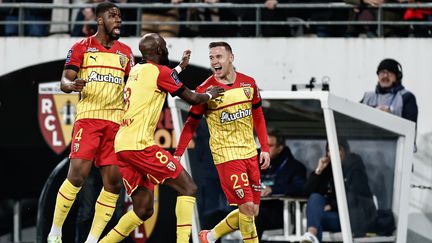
x=111, y=33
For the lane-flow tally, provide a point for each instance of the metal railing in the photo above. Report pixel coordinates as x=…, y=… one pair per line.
x=258, y=22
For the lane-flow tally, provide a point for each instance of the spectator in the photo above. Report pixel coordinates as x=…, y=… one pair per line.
x=418, y=14
x=159, y=14
x=322, y=210
x=390, y=95
x=86, y=14
x=224, y=15
x=366, y=11
x=285, y=176
x=29, y=15
x=273, y=13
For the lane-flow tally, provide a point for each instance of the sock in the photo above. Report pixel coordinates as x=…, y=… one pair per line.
x=104, y=209
x=247, y=228
x=125, y=226
x=184, y=211
x=229, y=224
x=210, y=238
x=65, y=198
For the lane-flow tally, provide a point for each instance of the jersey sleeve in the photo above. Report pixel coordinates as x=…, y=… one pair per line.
x=75, y=57
x=256, y=99
x=169, y=81
x=130, y=64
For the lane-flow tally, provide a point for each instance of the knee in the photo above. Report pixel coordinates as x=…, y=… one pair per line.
x=76, y=179
x=144, y=213
x=247, y=209
x=113, y=188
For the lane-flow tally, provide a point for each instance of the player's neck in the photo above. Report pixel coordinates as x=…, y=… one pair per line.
x=104, y=40
x=228, y=79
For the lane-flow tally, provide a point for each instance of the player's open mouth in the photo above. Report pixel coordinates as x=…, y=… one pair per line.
x=116, y=31
x=217, y=69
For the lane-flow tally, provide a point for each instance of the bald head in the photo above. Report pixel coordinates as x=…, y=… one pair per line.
x=153, y=48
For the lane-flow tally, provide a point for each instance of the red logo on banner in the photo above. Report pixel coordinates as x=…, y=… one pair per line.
x=56, y=112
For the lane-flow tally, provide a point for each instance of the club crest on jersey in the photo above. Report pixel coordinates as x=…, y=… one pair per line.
x=247, y=92
x=239, y=193
x=76, y=147
x=56, y=115
x=122, y=61
x=171, y=166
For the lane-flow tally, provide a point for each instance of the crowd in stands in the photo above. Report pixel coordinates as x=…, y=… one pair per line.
x=361, y=11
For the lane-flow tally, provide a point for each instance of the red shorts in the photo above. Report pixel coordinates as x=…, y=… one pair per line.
x=240, y=180
x=93, y=139
x=148, y=167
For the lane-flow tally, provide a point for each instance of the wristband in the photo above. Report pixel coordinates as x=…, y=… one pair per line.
x=178, y=69
x=210, y=96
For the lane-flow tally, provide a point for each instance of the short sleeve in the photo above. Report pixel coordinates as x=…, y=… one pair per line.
x=75, y=57
x=169, y=81
x=130, y=64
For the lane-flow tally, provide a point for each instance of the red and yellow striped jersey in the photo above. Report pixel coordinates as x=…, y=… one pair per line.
x=145, y=93
x=229, y=118
x=104, y=69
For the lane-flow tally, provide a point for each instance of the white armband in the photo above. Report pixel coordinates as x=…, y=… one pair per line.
x=210, y=96
x=178, y=69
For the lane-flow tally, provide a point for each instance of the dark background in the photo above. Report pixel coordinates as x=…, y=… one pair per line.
x=26, y=160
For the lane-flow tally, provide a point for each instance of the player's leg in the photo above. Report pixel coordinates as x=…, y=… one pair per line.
x=78, y=171
x=241, y=188
x=250, y=209
x=107, y=162
x=186, y=189
x=142, y=200
x=106, y=202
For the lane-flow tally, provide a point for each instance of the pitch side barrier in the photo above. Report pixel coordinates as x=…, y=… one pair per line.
x=257, y=22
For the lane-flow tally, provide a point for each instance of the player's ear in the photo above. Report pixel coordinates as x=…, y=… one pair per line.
x=232, y=57
x=99, y=20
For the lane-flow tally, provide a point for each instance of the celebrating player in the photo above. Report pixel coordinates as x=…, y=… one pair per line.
x=231, y=119
x=96, y=67
x=143, y=163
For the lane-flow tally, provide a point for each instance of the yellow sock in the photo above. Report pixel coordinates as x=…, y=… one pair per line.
x=247, y=228
x=125, y=226
x=65, y=198
x=184, y=211
x=104, y=209
x=229, y=224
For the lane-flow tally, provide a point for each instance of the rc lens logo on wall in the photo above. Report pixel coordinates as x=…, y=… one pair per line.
x=56, y=113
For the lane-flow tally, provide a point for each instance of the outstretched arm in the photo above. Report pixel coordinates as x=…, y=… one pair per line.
x=197, y=98
x=189, y=128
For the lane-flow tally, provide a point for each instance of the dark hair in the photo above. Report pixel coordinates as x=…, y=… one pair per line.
x=280, y=138
x=220, y=43
x=342, y=143
x=393, y=66
x=101, y=8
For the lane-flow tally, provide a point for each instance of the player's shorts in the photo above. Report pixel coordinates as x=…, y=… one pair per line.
x=93, y=139
x=240, y=180
x=148, y=167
